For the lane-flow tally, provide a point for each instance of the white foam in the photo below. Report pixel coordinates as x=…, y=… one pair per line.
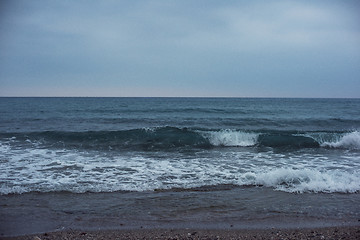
x=4, y=147
x=231, y=138
x=45, y=170
x=348, y=141
x=305, y=180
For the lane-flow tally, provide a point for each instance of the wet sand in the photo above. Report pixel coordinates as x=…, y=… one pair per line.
x=351, y=232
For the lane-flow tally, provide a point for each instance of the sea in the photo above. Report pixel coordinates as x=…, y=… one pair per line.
x=120, y=163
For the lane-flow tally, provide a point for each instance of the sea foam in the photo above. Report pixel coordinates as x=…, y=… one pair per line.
x=41, y=169
x=231, y=138
x=305, y=180
x=348, y=141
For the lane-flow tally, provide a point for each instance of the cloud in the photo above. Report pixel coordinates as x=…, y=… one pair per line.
x=220, y=48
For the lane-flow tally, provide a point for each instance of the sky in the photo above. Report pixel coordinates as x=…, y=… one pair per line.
x=183, y=48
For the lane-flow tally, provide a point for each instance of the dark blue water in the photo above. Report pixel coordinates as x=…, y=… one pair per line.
x=112, y=114
x=297, y=152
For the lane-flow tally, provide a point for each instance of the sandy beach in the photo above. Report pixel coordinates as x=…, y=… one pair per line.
x=352, y=232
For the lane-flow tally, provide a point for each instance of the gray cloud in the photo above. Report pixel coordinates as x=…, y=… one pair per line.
x=180, y=48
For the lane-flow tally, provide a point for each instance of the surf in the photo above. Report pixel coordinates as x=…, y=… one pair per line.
x=348, y=141
x=171, y=138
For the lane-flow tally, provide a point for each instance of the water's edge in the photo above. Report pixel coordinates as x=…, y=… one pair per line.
x=236, y=208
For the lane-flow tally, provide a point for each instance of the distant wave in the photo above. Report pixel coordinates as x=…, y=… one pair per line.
x=168, y=138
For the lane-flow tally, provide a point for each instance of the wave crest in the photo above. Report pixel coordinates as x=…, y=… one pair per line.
x=305, y=180
x=348, y=141
x=167, y=138
x=231, y=138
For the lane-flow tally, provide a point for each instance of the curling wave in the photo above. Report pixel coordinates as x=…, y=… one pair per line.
x=167, y=138
x=348, y=141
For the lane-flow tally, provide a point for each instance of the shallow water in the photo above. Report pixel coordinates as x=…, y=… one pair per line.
x=221, y=207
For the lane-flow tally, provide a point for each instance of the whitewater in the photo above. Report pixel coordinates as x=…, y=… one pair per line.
x=319, y=160
x=222, y=162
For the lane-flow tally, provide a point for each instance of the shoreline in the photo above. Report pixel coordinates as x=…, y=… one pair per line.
x=342, y=232
x=235, y=210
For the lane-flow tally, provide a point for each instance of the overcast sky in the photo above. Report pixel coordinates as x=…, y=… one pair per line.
x=180, y=48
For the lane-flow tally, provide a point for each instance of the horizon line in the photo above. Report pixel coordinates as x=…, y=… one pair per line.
x=177, y=97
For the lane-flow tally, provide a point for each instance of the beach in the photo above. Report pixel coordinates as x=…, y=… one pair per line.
x=180, y=215
x=347, y=233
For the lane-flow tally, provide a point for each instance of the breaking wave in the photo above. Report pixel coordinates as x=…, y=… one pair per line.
x=167, y=138
x=348, y=141
x=69, y=161
x=306, y=180
x=231, y=138
x=76, y=173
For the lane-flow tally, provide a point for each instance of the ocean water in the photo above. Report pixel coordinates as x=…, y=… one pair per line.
x=156, y=160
